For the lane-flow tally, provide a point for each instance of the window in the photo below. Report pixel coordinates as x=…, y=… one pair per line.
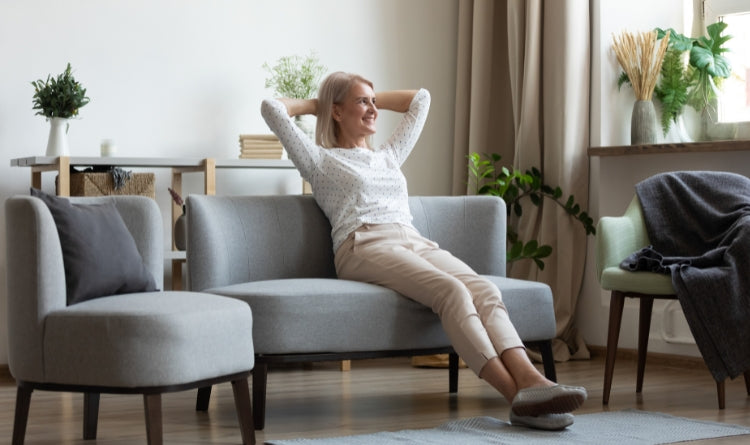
x=734, y=104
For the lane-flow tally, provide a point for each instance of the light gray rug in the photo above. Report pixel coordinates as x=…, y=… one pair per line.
x=620, y=427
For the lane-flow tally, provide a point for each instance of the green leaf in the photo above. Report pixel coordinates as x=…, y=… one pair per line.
x=518, y=209
x=516, y=249
x=539, y=263
x=706, y=53
x=530, y=248
x=544, y=251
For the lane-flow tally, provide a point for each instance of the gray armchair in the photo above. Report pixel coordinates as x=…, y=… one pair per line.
x=145, y=343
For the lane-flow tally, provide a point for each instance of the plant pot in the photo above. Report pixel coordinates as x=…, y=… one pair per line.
x=643, y=124
x=180, y=232
x=57, y=144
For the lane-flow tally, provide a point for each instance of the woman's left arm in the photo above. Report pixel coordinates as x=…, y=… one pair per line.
x=415, y=106
x=397, y=100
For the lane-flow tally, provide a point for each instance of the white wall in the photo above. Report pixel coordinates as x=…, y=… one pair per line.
x=612, y=179
x=174, y=78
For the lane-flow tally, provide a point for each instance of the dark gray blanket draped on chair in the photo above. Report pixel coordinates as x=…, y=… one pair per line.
x=699, y=227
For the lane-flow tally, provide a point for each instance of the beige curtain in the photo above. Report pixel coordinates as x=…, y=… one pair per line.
x=484, y=124
x=536, y=114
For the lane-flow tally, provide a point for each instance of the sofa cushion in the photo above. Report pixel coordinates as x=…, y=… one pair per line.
x=530, y=307
x=306, y=315
x=148, y=339
x=99, y=253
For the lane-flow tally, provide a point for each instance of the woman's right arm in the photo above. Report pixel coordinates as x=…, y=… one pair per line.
x=299, y=107
x=301, y=149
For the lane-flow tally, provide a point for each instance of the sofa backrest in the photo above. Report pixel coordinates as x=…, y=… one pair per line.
x=235, y=239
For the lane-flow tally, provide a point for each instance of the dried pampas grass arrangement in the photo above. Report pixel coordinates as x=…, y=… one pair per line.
x=641, y=58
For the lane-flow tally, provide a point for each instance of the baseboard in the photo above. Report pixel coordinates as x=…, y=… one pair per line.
x=653, y=358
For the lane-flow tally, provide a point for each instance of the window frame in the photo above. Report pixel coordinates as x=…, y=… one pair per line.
x=711, y=11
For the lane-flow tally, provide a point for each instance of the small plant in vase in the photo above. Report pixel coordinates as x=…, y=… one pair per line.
x=296, y=77
x=180, y=224
x=58, y=99
x=691, y=74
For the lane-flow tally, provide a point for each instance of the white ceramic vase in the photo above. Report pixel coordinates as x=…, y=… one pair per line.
x=57, y=144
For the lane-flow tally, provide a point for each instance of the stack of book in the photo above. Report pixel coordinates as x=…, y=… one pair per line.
x=260, y=146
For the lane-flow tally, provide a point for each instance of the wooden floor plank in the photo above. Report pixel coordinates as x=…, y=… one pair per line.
x=376, y=395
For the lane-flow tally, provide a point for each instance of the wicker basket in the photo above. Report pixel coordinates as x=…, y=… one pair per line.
x=102, y=184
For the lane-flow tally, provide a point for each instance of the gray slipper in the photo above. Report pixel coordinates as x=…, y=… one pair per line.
x=548, y=400
x=549, y=422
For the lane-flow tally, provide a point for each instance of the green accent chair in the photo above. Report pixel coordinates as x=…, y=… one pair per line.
x=617, y=238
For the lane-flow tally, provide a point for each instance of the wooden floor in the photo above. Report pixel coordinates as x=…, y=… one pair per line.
x=376, y=395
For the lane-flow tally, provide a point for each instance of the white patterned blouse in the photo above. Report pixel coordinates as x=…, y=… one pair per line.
x=354, y=186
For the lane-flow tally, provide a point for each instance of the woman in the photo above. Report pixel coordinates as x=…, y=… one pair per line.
x=363, y=192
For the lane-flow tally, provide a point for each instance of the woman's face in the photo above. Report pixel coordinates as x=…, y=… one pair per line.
x=356, y=114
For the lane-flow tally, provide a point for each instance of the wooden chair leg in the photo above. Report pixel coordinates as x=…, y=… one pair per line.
x=260, y=377
x=747, y=381
x=720, y=392
x=152, y=406
x=244, y=410
x=452, y=373
x=23, y=402
x=644, y=328
x=548, y=360
x=202, y=399
x=616, y=304
x=90, y=415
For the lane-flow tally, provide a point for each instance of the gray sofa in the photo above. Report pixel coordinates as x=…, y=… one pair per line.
x=275, y=253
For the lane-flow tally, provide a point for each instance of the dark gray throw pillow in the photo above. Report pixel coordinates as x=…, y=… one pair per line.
x=99, y=253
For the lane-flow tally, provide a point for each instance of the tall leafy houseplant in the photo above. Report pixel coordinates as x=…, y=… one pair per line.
x=515, y=188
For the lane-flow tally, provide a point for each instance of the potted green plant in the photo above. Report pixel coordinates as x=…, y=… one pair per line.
x=58, y=99
x=691, y=73
x=296, y=77
x=514, y=186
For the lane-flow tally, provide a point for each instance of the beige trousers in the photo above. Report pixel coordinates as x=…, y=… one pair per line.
x=470, y=307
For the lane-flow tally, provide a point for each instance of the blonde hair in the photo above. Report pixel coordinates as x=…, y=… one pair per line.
x=333, y=90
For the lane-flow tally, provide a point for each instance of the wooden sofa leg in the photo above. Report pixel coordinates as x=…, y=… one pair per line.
x=548, y=360
x=244, y=410
x=90, y=415
x=721, y=393
x=747, y=381
x=152, y=407
x=202, y=399
x=260, y=377
x=452, y=373
x=23, y=402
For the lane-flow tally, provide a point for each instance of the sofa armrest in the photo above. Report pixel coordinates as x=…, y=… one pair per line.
x=35, y=281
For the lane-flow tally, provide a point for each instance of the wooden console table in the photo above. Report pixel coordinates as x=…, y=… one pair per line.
x=208, y=166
